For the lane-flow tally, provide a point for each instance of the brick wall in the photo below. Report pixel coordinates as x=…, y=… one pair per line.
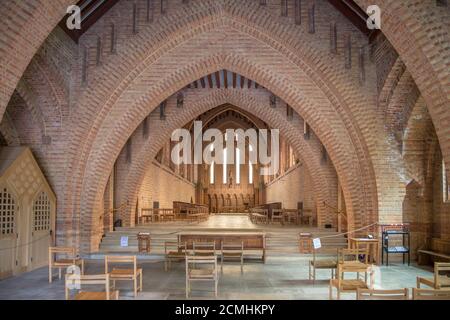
x=293, y=187
x=78, y=130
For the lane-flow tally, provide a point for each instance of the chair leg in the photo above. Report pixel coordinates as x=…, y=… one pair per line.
x=187, y=289
x=330, y=293
x=215, y=288
x=135, y=287
x=314, y=275
x=50, y=275
x=59, y=273
x=141, y=281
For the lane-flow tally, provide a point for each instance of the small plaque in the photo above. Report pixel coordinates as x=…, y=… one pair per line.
x=316, y=243
x=124, y=241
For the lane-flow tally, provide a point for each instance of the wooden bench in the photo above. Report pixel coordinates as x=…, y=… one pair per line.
x=430, y=253
x=253, y=241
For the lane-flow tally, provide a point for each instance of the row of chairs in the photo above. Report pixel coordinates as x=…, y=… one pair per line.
x=231, y=250
x=403, y=294
x=201, y=260
x=75, y=280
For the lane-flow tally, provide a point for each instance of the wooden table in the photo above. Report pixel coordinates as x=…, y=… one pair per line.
x=253, y=241
x=371, y=245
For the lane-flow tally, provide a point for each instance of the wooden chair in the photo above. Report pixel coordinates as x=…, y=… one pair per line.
x=291, y=216
x=122, y=274
x=173, y=251
x=82, y=280
x=232, y=250
x=207, y=248
x=305, y=242
x=201, y=268
x=430, y=294
x=351, y=285
x=353, y=255
x=69, y=259
x=277, y=215
x=328, y=262
x=371, y=294
x=439, y=281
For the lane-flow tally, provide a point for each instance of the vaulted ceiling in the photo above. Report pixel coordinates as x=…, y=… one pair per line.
x=93, y=10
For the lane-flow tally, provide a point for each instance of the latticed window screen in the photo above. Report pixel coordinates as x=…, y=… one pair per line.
x=41, y=212
x=7, y=212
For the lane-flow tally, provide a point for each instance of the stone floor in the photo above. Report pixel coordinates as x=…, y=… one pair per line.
x=280, y=278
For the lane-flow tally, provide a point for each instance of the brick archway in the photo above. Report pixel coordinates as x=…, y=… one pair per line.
x=340, y=149
x=426, y=59
x=323, y=183
x=326, y=94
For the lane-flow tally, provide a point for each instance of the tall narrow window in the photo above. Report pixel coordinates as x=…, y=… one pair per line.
x=445, y=186
x=250, y=172
x=211, y=173
x=238, y=166
x=224, y=177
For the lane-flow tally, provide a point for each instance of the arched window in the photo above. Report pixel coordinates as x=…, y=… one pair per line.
x=224, y=176
x=445, y=185
x=250, y=168
x=211, y=173
x=238, y=166
x=41, y=213
x=7, y=213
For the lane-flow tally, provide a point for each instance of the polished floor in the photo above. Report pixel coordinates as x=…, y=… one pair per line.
x=280, y=278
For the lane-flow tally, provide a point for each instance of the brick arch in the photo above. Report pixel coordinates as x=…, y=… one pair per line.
x=322, y=183
x=118, y=73
x=423, y=24
x=32, y=101
x=32, y=22
x=327, y=127
x=340, y=149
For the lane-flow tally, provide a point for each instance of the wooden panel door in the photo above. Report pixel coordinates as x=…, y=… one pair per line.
x=42, y=217
x=8, y=233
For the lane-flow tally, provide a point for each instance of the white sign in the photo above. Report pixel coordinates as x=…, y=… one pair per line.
x=124, y=241
x=316, y=243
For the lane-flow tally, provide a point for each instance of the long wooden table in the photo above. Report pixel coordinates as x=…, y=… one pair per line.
x=253, y=241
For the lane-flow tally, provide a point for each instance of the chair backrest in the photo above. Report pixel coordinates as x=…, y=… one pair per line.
x=277, y=212
x=323, y=251
x=193, y=261
x=178, y=246
x=348, y=255
x=69, y=252
x=121, y=260
x=371, y=294
x=343, y=268
x=77, y=282
x=439, y=268
x=204, y=247
x=232, y=245
x=430, y=294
